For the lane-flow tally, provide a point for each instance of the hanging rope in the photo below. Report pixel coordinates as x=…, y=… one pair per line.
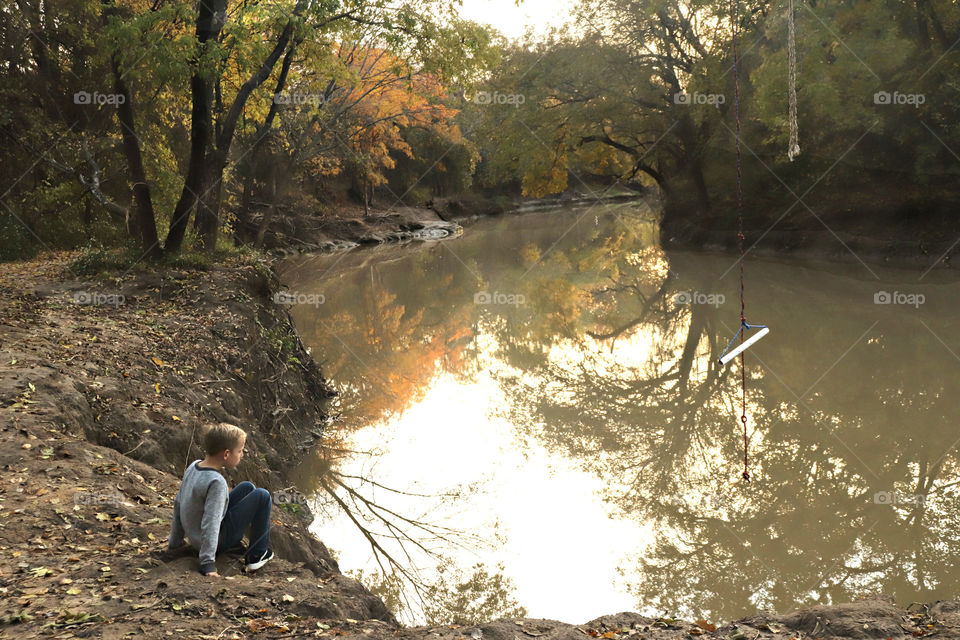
x=793, y=149
x=735, y=15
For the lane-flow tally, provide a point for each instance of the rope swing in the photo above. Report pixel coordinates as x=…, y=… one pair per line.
x=793, y=149
x=729, y=354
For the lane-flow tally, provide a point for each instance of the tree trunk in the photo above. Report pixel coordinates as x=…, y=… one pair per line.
x=88, y=218
x=209, y=23
x=366, y=200
x=243, y=215
x=210, y=224
x=270, y=212
x=208, y=218
x=695, y=168
x=253, y=155
x=145, y=221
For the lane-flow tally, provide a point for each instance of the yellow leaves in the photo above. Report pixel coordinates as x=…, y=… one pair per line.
x=547, y=173
x=68, y=618
x=529, y=254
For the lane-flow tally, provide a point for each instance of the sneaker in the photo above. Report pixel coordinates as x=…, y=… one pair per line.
x=264, y=559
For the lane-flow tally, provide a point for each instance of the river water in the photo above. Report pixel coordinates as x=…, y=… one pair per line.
x=542, y=396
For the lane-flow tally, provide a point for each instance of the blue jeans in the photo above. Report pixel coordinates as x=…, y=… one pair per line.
x=249, y=507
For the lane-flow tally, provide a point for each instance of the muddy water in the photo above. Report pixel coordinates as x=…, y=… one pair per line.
x=545, y=392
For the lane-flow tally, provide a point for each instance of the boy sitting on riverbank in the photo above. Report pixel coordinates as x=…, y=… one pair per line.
x=213, y=518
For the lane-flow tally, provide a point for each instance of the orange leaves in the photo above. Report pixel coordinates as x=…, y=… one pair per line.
x=706, y=626
x=387, y=98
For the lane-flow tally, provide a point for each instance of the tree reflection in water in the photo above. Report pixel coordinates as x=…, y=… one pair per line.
x=851, y=408
x=610, y=358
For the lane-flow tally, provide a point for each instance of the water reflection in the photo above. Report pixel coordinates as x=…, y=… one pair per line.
x=587, y=346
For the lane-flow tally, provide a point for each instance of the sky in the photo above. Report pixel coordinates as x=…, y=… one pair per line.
x=511, y=20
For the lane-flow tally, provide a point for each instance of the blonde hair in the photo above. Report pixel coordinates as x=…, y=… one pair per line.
x=219, y=437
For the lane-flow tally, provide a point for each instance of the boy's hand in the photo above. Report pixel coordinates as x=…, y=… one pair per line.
x=213, y=574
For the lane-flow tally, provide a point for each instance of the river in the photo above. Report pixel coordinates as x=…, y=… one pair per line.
x=547, y=386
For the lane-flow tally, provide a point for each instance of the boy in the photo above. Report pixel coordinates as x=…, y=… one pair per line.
x=213, y=518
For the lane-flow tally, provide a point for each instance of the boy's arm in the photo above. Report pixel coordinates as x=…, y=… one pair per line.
x=176, y=528
x=213, y=509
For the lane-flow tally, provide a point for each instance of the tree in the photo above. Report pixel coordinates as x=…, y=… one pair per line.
x=137, y=54
x=620, y=95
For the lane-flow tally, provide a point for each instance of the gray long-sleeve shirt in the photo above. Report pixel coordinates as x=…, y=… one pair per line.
x=198, y=510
